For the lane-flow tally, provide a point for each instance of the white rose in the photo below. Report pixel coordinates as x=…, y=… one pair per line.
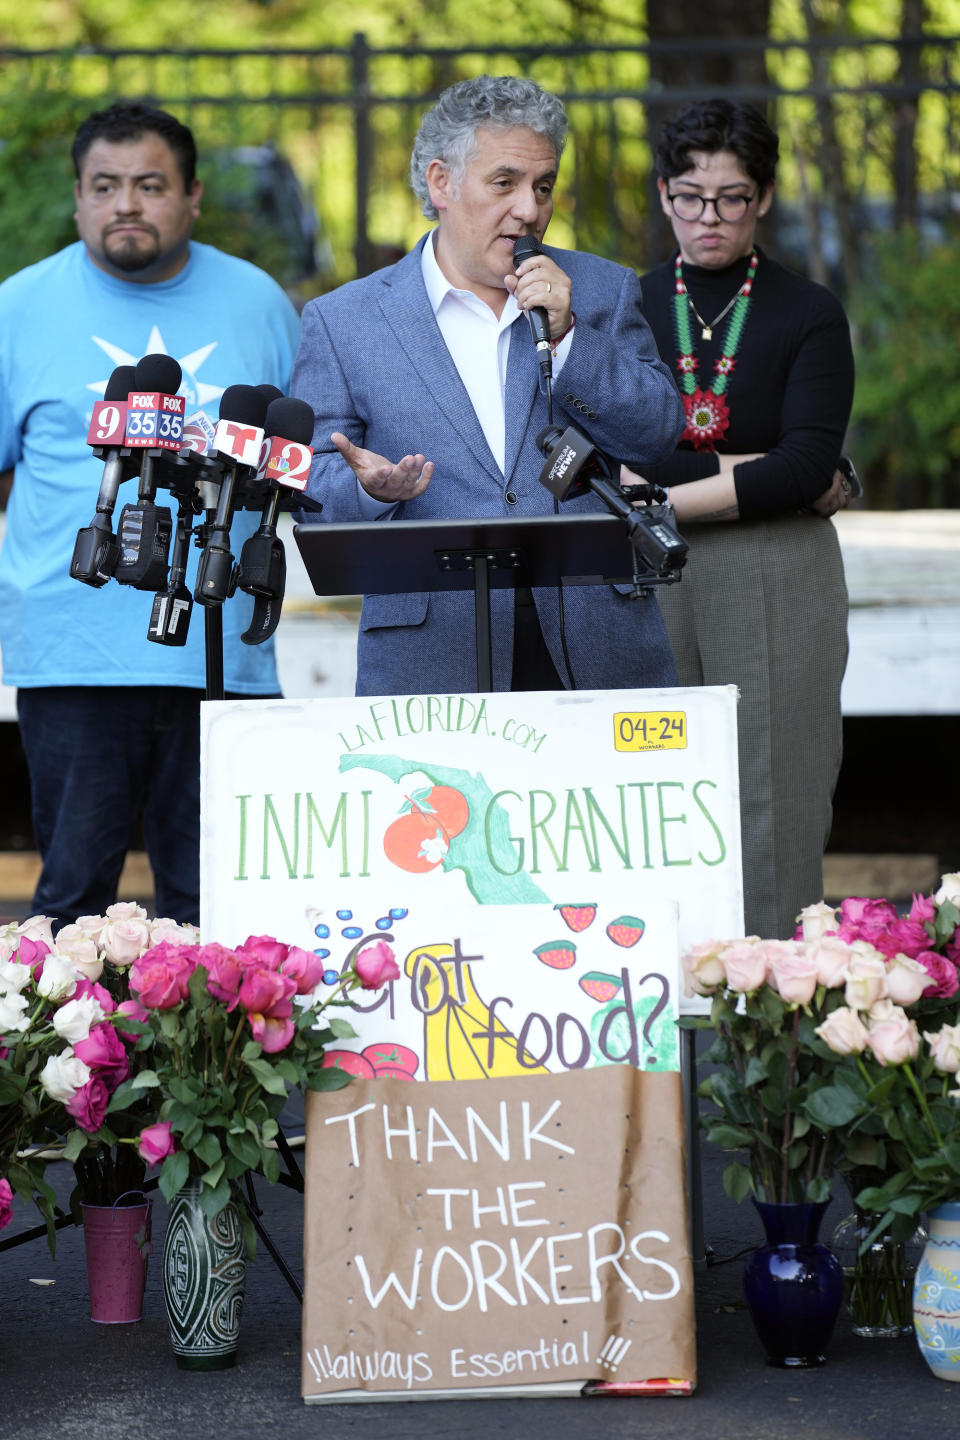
x=126, y=910
x=13, y=1012
x=165, y=929
x=90, y=925
x=124, y=940
x=58, y=979
x=817, y=920
x=866, y=977
x=74, y=1020
x=13, y=975
x=949, y=888
x=38, y=927
x=906, y=979
x=63, y=1075
x=8, y=945
x=945, y=1048
x=80, y=950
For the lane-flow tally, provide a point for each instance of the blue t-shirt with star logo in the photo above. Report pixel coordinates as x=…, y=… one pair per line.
x=64, y=326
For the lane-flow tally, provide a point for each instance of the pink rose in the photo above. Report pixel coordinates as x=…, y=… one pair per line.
x=88, y=1105
x=97, y=992
x=103, y=1051
x=6, y=1203
x=274, y=1031
x=38, y=927
x=81, y=950
x=156, y=1142
x=906, y=980
x=703, y=968
x=135, y=1010
x=746, y=965
x=924, y=908
x=894, y=1041
x=831, y=955
x=945, y=1048
x=263, y=991
x=793, y=974
x=943, y=975
x=161, y=977
x=33, y=953
x=264, y=950
x=225, y=969
x=126, y=910
x=863, y=919
x=375, y=965
x=902, y=937
x=91, y=925
x=164, y=928
x=304, y=967
x=844, y=1032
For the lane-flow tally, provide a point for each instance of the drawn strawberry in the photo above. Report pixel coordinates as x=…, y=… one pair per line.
x=626, y=930
x=558, y=954
x=600, y=986
x=578, y=917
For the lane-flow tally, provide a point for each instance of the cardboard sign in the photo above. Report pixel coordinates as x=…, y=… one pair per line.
x=608, y=798
x=495, y=1236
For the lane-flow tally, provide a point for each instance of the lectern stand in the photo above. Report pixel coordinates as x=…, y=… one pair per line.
x=399, y=556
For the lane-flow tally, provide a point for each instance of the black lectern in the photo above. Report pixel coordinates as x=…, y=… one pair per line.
x=397, y=556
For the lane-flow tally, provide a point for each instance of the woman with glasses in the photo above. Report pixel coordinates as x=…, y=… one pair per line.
x=763, y=362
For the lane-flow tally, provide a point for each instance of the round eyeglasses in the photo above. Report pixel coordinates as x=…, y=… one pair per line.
x=687, y=206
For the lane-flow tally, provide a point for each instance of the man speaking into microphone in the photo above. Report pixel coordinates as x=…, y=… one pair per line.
x=425, y=379
x=110, y=722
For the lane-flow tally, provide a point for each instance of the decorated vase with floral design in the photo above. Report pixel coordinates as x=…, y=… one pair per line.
x=936, y=1293
x=204, y=1273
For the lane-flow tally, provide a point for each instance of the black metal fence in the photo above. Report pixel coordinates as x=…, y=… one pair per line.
x=869, y=127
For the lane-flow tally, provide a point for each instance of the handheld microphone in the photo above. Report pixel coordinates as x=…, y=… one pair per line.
x=239, y=436
x=154, y=425
x=285, y=461
x=170, y=615
x=95, y=551
x=524, y=247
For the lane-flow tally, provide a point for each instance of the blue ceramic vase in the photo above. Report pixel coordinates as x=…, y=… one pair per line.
x=936, y=1293
x=793, y=1285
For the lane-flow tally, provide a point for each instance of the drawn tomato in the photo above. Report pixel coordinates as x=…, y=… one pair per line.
x=416, y=842
x=385, y=1055
x=392, y=1072
x=449, y=806
x=349, y=1061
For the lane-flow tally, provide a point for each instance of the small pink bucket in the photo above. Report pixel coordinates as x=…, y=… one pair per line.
x=117, y=1239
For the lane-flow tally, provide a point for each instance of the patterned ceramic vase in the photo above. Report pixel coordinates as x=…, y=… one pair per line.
x=793, y=1285
x=936, y=1293
x=203, y=1279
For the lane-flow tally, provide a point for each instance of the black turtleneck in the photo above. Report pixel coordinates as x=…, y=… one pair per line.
x=790, y=393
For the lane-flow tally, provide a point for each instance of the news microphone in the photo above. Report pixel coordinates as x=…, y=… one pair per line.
x=285, y=461
x=95, y=551
x=239, y=436
x=575, y=465
x=170, y=615
x=155, y=426
x=524, y=247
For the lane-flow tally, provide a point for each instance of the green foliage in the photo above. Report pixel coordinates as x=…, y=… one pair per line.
x=906, y=412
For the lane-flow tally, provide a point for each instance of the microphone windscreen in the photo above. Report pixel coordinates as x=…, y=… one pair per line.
x=524, y=247
x=121, y=382
x=158, y=372
x=271, y=392
x=291, y=419
x=245, y=404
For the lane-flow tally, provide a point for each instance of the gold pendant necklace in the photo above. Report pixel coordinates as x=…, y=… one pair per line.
x=706, y=329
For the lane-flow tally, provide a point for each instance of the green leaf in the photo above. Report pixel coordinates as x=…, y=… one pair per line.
x=208, y=1149
x=268, y=1077
x=145, y=1080
x=75, y=1144
x=330, y=1079
x=728, y=1137
x=214, y=1175
x=212, y=1200
x=342, y=1029
x=245, y=1148
x=832, y=1106
x=174, y=1174
x=738, y=1182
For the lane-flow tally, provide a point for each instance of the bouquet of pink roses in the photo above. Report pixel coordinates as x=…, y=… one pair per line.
x=220, y=1036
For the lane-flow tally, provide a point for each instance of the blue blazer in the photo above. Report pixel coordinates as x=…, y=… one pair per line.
x=373, y=364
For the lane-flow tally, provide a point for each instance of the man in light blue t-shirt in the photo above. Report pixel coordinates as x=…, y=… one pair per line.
x=110, y=721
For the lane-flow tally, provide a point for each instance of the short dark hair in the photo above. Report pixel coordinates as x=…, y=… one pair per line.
x=712, y=125
x=123, y=122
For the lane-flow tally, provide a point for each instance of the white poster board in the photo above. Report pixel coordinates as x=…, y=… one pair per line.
x=373, y=806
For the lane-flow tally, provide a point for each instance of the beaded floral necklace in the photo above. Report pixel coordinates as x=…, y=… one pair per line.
x=708, y=414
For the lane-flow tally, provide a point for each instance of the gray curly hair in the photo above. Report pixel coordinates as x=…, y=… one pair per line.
x=448, y=130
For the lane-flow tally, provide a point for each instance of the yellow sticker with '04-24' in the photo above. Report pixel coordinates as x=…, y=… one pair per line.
x=650, y=730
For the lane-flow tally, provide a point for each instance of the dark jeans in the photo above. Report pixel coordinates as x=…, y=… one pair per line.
x=100, y=757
